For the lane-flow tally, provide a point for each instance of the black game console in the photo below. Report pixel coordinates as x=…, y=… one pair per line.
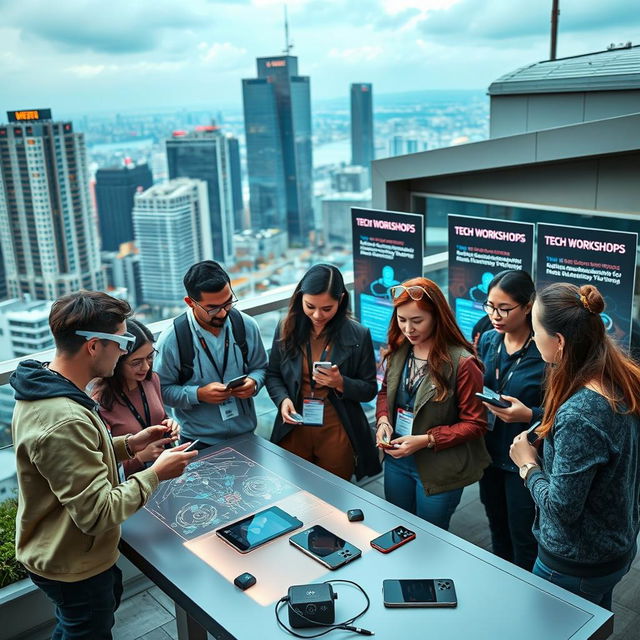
x=314, y=602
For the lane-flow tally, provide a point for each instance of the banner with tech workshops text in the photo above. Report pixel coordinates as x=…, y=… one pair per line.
x=606, y=259
x=479, y=248
x=388, y=248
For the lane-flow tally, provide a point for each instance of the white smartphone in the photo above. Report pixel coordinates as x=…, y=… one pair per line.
x=192, y=444
x=322, y=364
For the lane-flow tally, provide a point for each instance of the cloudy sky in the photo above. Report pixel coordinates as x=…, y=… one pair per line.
x=82, y=56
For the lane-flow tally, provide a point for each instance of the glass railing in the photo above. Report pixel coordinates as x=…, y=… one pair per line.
x=266, y=308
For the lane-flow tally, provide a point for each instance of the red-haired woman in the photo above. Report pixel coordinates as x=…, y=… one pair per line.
x=587, y=491
x=430, y=422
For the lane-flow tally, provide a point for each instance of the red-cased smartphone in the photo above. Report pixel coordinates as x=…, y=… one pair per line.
x=393, y=539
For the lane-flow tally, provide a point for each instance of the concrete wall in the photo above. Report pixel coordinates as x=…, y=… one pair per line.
x=513, y=114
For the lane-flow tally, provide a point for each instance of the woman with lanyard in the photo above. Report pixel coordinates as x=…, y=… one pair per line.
x=515, y=370
x=320, y=418
x=131, y=399
x=587, y=486
x=430, y=422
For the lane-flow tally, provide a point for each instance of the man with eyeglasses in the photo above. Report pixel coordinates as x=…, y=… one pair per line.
x=71, y=501
x=205, y=348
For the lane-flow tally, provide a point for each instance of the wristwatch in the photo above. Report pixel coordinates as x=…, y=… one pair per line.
x=525, y=468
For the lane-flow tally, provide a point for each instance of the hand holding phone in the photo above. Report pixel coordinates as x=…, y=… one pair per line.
x=236, y=382
x=297, y=417
x=321, y=364
x=532, y=436
x=491, y=397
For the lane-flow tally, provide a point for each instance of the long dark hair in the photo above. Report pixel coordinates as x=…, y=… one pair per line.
x=518, y=285
x=588, y=353
x=296, y=326
x=446, y=332
x=108, y=390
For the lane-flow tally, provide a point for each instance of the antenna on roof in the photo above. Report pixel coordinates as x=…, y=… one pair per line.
x=287, y=45
x=555, y=12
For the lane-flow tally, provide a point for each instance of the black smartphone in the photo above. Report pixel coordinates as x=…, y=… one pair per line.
x=236, y=382
x=255, y=530
x=532, y=436
x=493, y=398
x=325, y=547
x=393, y=539
x=437, y=592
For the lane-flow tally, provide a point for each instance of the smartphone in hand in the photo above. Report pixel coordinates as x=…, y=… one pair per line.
x=236, y=382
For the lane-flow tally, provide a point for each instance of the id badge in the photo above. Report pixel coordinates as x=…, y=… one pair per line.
x=121, y=472
x=229, y=409
x=313, y=412
x=404, y=422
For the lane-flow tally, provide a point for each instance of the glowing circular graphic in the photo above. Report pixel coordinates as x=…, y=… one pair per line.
x=261, y=486
x=196, y=515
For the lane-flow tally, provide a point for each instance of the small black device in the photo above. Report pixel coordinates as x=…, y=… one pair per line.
x=355, y=515
x=393, y=539
x=491, y=397
x=532, y=436
x=244, y=581
x=236, y=382
x=255, y=530
x=325, y=547
x=314, y=602
x=439, y=592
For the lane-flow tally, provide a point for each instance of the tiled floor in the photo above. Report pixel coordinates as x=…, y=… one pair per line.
x=149, y=615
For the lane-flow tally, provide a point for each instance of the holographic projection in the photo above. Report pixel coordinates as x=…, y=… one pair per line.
x=215, y=489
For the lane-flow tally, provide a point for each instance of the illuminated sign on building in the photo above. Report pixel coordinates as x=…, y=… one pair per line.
x=276, y=63
x=29, y=114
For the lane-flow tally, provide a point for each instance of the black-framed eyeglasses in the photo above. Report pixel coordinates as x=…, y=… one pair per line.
x=214, y=311
x=490, y=310
x=137, y=363
x=415, y=292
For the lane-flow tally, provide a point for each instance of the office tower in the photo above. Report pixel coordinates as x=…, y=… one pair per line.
x=115, y=188
x=172, y=226
x=122, y=269
x=277, y=120
x=362, y=152
x=205, y=154
x=47, y=231
x=336, y=216
x=236, y=184
x=3, y=279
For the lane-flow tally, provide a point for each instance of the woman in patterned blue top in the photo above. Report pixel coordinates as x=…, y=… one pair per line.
x=587, y=492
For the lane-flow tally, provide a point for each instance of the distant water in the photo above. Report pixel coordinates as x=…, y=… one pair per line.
x=132, y=143
x=332, y=153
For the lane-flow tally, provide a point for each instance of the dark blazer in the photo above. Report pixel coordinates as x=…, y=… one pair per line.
x=353, y=353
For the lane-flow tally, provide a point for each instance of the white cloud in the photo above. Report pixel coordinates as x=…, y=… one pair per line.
x=222, y=55
x=357, y=54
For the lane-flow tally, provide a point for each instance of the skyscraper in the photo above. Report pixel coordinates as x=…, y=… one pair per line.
x=206, y=154
x=277, y=120
x=115, y=188
x=362, y=149
x=172, y=224
x=47, y=231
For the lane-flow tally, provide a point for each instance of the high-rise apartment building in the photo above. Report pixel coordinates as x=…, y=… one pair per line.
x=115, y=188
x=206, y=154
x=172, y=227
x=362, y=147
x=277, y=120
x=47, y=231
x=122, y=270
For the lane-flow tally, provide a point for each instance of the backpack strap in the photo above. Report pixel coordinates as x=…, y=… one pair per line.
x=240, y=335
x=185, y=347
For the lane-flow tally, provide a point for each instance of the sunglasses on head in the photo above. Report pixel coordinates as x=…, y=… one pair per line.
x=415, y=292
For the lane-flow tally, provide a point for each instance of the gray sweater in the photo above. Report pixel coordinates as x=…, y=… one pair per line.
x=587, y=495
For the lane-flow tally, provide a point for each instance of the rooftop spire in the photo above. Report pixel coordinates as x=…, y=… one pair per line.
x=287, y=45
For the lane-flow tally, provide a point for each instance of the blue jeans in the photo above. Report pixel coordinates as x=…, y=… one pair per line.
x=403, y=487
x=598, y=590
x=84, y=609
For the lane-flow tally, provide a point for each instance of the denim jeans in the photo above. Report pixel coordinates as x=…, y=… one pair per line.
x=598, y=590
x=84, y=609
x=510, y=510
x=403, y=487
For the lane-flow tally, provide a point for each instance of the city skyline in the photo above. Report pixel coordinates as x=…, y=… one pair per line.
x=196, y=52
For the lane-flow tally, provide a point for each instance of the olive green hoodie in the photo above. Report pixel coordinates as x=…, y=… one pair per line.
x=71, y=502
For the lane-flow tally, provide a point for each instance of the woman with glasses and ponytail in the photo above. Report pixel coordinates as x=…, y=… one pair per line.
x=320, y=417
x=430, y=422
x=587, y=486
x=514, y=369
x=131, y=399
